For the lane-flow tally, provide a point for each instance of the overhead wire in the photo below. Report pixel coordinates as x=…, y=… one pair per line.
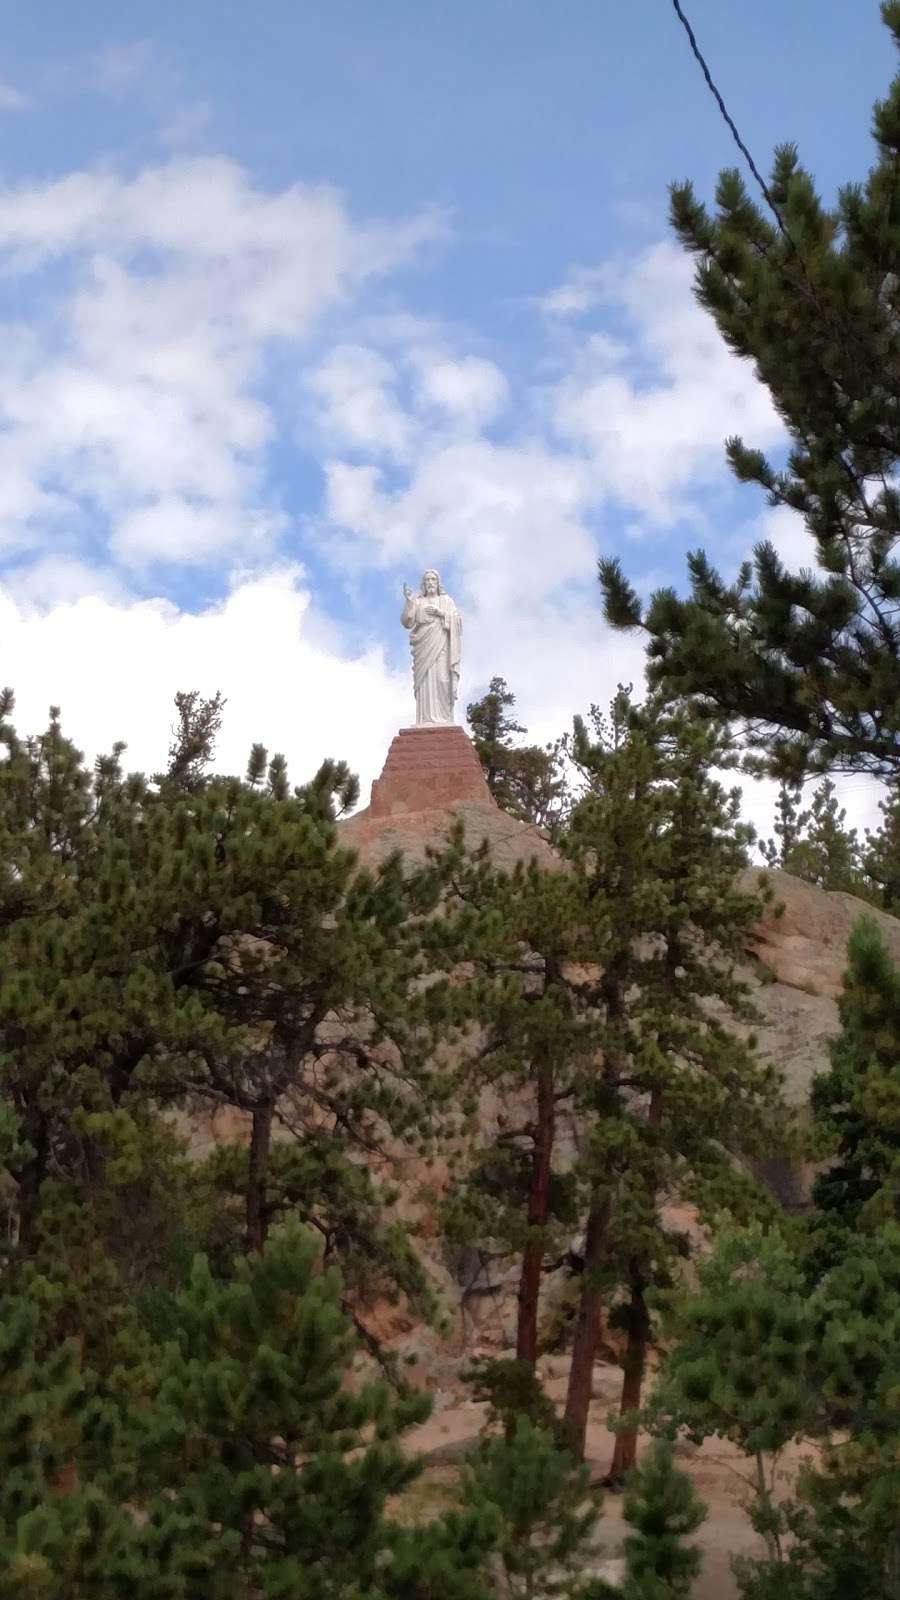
x=841, y=330
x=844, y=333
x=824, y=312
x=730, y=123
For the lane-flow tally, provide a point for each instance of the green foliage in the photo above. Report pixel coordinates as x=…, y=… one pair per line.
x=348, y=1209
x=257, y=1463
x=881, y=855
x=61, y=1538
x=448, y=1559
x=546, y=1507
x=193, y=740
x=512, y=1390
x=110, y=1246
x=808, y=661
x=516, y=933
x=203, y=941
x=682, y=1096
x=856, y=1100
x=799, y=1337
x=843, y=1521
x=527, y=780
x=256, y=1432
x=815, y=844
x=610, y=989
x=663, y=1508
x=740, y=1362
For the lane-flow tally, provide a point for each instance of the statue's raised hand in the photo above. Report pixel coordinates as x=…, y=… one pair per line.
x=407, y=591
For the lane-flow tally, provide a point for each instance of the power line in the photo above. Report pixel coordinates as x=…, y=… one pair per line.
x=844, y=332
x=729, y=121
x=764, y=187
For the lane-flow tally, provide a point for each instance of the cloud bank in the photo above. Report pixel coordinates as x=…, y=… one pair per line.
x=226, y=436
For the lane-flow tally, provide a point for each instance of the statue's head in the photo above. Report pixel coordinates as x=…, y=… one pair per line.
x=431, y=582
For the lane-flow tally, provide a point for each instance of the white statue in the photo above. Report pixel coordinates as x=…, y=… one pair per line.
x=435, y=630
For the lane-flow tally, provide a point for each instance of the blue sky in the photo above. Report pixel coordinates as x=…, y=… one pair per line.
x=299, y=298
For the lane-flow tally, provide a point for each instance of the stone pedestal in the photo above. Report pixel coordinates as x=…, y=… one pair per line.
x=428, y=768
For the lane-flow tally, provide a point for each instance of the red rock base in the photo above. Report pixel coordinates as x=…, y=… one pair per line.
x=428, y=768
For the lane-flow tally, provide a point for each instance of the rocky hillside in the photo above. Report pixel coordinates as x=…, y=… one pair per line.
x=795, y=962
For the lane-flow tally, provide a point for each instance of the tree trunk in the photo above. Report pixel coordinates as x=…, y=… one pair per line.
x=588, y=1324
x=634, y=1366
x=538, y=1211
x=773, y=1543
x=635, y=1360
x=257, y=1177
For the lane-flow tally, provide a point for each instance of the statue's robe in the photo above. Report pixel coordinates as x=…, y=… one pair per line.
x=435, y=645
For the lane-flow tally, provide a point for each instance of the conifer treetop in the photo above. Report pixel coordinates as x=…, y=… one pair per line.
x=807, y=662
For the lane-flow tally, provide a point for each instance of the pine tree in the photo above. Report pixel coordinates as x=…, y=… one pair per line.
x=799, y=1338
x=881, y=855
x=62, y=1536
x=446, y=1559
x=208, y=939
x=815, y=844
x=257, y=1463
x=790, y=821
x=843, y=1521
x=807, y=662
x=680, y=1095
x=519, y=934
x=193, y=740
x=111, y=1245
x=535, y=939
x=591, y=995
x=64, y=879
x=739, y=1362
x=527, y=780
x=663, y=1508
x=512, y=1390
x=258, y=1438
x=856, y=1100
x=546, y=1507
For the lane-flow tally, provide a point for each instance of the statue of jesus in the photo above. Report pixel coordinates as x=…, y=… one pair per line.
x=435, y=631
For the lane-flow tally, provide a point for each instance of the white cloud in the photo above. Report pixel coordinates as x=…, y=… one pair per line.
x=186, y=125
x=59, y=580
x=300, y=241
x=579, y=292
x=636, y=420
x=507, y=517
x=470, y=391
x=114, y=664
x=114, y=667
x=653, y=424
x=558, y=656
x=168, y=529
x=141, y=409
x=397, y=406
x=137, y=398
x=12, y=99
x=355, y=393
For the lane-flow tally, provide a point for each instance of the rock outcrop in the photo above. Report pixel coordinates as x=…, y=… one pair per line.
x=431, y=777
x=795, y=956
x=798, y=949
x=795, y=962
